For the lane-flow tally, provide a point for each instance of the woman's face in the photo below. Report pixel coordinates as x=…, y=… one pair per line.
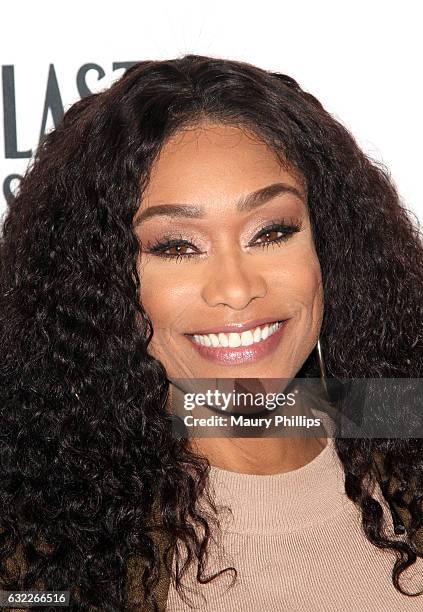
x=207, y=260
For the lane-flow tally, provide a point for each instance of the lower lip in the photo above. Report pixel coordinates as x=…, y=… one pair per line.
x=241, y=354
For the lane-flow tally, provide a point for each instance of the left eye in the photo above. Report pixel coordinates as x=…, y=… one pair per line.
x=271, y=234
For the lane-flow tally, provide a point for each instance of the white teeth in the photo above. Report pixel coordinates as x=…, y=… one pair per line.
x=223, y=340
x=234, y=340
x=257, y=334
x=247, y=338
x=214, y=340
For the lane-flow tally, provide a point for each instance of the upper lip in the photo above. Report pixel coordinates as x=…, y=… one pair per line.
x=227, y=328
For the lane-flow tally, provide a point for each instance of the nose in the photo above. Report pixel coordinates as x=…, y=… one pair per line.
x=232, y=280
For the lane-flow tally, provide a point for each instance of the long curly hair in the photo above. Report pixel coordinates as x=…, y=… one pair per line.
x=86, y=445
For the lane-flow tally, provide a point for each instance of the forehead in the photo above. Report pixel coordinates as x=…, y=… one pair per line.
x=211, y=163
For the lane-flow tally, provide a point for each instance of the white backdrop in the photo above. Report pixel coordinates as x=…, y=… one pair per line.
x=362, y=60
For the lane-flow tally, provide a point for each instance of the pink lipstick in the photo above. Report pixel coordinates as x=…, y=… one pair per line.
x=241, y=354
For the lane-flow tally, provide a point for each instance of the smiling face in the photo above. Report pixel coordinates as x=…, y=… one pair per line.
x=212, y=258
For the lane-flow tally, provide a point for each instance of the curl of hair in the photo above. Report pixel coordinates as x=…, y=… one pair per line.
x=86, y=447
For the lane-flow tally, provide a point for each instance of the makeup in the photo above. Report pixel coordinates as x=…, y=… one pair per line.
x=234, y=355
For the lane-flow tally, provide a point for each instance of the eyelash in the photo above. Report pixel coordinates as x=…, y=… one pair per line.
x=287, y=227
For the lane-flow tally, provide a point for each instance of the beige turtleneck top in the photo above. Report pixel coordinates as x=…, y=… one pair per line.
x=297, y=543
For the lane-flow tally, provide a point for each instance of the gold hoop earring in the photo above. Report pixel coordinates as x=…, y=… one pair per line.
x=169, y=399
x=323, y=375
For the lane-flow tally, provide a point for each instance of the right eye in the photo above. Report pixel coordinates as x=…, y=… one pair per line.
x=165, y=248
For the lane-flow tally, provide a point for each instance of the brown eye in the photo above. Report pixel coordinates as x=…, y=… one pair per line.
x=178, y=250
x=276, y=233
x=179, y=246
x=269, y=235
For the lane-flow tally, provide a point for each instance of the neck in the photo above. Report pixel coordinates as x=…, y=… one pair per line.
x=258, y=455
x=273, y=452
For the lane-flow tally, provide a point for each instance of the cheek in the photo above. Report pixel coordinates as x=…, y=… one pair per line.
x=154, y=296
x=165, y=297
x=299, y=281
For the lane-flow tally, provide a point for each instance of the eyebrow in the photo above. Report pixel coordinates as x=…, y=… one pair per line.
x=244, y=204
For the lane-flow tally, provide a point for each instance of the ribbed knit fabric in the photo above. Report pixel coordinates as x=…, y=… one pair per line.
x=297, y=543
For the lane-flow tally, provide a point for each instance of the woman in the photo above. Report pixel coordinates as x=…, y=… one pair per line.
x=193, y=198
